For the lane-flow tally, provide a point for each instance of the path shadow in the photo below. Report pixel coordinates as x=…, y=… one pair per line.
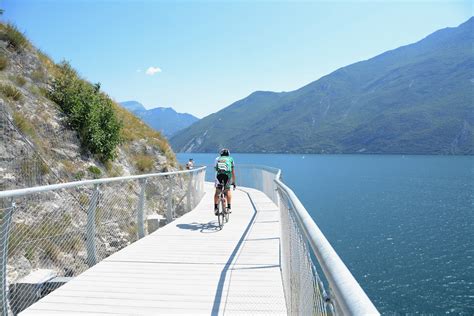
x=227, y=267
x=210, y=227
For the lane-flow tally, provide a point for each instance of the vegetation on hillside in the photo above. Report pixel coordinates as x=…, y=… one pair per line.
x=15, y=39
x=89, y=111
x=102, y=126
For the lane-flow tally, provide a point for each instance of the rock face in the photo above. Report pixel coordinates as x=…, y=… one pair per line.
x=37, y=147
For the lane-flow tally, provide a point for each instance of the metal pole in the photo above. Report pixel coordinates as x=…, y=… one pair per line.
x=188, y=194
x=141, y=204
x=169, y=209
x=90, y=234
x=5, y=235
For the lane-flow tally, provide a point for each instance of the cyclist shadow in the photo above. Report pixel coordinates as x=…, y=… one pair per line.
x=205, y=228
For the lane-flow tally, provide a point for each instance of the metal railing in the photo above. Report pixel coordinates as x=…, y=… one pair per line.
x=54, y=232
x=304, y=251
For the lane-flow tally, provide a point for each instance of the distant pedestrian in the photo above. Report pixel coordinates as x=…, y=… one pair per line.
x=190, y=164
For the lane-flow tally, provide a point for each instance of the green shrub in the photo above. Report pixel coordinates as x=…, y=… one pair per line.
x=10, y=92
x=3, y=62
x=89, y=111
x=14, y=37
x=94, y=171
x=144, y=163
x=79, y=175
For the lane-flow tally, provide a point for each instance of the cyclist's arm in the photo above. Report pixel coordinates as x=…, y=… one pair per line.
x=233, y=174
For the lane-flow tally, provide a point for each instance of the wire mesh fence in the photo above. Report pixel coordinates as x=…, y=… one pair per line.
x=53, y=233
x=304, y=290
x=20, y=163
x=315, y=280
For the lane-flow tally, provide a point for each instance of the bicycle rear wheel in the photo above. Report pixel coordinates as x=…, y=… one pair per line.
x=226, y=215
x=220, y=216
x=220, y=220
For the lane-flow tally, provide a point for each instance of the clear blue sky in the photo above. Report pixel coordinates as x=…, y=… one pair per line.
x=206, y=55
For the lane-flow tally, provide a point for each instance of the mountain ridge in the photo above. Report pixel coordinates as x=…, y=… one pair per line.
x=163, y=119
x=414, y=99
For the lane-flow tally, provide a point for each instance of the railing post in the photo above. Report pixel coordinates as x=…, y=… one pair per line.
x=90, y=234
x=141, y=204
x=5, y=235
x=169, y=208
x=188, y=194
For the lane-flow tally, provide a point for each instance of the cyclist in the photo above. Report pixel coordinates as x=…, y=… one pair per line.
x=224, y=174
x=190, y=164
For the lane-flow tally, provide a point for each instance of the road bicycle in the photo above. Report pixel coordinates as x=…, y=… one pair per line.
x=223, y=212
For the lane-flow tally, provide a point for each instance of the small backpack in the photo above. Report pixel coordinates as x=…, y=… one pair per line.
x=224, y=165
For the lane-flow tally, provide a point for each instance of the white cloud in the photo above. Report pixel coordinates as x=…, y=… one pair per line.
x=152, y=70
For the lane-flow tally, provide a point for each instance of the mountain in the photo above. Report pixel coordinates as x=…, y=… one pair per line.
x=133, y=106
x=165, y=120
x=416, y=99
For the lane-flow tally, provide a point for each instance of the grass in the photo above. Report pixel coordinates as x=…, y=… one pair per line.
x=40, y=238
x=44, y=169
x=33, y=163
x=38, y=75
x=143, y=162
x=47, y=62
x=3, y=62
x=13, y=36
x=24, y=125
x=113, y=170
x=84, y=199
x=28, y=129
x=135, y=129
x=20, y=80
x=10, y=92
x=69, y=167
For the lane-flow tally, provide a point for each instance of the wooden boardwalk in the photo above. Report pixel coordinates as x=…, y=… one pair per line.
x=188, y=267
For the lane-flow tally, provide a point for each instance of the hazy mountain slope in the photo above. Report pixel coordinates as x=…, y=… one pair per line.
x=414, y=99
x=133, y=106
x=165, y=120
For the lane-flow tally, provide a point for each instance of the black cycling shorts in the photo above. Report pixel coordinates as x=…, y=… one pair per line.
x=222, y=178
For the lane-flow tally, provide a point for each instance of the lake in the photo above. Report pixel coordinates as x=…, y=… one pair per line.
x=404, y=225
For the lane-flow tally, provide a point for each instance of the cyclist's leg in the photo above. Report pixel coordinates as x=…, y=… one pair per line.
x=229, y=199
x=216, y=198
x=229, y=193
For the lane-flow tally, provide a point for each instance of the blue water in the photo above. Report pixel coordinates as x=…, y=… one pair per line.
x=404, y=225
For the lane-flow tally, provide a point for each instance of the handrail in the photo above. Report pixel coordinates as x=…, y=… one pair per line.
x=116, y=216
x=350, y=297
x=52, y=187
